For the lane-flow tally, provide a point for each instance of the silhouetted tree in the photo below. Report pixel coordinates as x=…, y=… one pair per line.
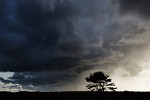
x=100, y=82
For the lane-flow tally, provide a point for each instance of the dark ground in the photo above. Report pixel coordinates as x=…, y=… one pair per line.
x=76, y=95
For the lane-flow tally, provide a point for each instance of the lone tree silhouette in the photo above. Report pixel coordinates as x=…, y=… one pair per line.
x=99, y=81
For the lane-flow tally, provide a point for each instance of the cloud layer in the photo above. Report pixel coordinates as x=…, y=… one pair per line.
x=51, y=42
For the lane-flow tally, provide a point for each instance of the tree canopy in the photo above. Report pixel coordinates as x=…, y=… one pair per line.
x=99, y=81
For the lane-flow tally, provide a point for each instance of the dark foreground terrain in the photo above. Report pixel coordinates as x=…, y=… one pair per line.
x=76, y=95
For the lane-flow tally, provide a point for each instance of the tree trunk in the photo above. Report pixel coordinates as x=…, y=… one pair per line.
x=103, y=87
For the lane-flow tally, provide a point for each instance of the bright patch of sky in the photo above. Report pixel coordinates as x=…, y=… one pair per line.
x=6, y=75
x=134, y=83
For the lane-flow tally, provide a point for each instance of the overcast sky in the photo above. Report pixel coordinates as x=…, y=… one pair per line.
x=52, y=45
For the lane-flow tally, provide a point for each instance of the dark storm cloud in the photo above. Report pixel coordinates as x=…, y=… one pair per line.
x=34, y=37
x=49, y=42
x=41, y=78
x=56, y=35
x=135, y=6
x=31, y=41
x=4, y=81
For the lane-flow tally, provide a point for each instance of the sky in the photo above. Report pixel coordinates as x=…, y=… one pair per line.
x=52, y=45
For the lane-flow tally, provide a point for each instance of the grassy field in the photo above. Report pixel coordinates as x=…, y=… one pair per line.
x=76, y=95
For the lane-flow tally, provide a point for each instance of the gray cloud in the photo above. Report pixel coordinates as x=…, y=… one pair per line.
x=52, y=42
x=38, y=78
x=135, y=6
x=61, y=36
x=38, y=39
